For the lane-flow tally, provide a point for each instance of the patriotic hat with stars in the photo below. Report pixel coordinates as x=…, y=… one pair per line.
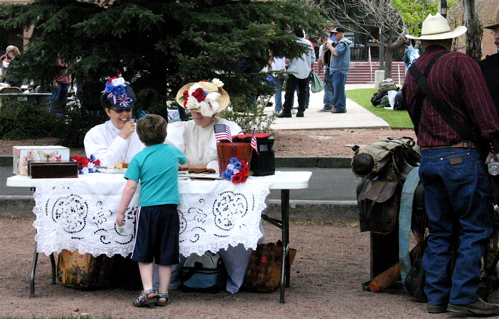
x=118, y=93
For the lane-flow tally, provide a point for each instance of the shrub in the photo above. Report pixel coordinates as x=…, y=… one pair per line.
x=20, y=120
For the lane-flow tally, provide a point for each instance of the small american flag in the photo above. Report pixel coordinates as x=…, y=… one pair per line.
x=222, y=132
x=254, y=144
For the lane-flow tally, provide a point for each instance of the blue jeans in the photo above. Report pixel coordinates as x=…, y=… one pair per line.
x=59, y=98
x=328, y=90
x=278, y=84
x=457, y=192
x=339, y=96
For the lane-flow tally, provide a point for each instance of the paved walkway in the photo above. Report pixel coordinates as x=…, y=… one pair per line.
x=356, y=116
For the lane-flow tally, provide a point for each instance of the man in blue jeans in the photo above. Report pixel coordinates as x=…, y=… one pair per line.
x=323, y=62
x=339, y=66
x=457, y=189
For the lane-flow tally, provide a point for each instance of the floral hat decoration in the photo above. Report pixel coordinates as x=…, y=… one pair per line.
x=119, y=94
x=205, y=97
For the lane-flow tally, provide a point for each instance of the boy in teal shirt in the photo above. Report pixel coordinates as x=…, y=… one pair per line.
x=157, y=229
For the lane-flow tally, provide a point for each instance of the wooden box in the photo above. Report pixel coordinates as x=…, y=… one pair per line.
x=42, y=169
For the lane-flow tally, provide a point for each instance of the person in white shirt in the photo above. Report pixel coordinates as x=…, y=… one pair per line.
x=115, y=140
x=196, y=139
x=299, y=72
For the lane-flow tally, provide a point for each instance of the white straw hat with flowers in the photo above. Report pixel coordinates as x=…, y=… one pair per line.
x=436, y=27
x=208, y=98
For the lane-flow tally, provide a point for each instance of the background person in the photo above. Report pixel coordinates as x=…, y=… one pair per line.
x=457, y=188
x=323, y=62
x=10, y=55
x=115, y=140
x=277, y=80
x=60, y=88
x=339, y=67
x=299, y=73
x=158, y=225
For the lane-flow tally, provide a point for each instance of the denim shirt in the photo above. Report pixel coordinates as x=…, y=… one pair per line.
x=341, y=61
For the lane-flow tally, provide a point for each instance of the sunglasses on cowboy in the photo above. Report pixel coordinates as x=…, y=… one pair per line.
x=128, y=110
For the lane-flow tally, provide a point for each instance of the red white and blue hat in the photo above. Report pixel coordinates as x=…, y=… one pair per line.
x=119, y=94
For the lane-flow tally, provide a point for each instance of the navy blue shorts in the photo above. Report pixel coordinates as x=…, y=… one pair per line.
x=157, y=235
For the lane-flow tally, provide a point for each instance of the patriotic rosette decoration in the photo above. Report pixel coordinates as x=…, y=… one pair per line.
x=86, y=165
x=237, y=171
x=119, y=93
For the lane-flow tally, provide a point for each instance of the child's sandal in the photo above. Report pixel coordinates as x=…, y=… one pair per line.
x=145, y=299
x=161, y=296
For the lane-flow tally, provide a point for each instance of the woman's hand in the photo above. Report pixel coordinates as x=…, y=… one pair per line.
x=127, y=130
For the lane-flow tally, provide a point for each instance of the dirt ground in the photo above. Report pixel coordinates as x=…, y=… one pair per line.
x=331, y=263
x=327, y=143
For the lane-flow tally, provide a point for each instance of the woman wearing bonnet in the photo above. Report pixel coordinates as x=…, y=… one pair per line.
x=196, y=139
x=114, y=141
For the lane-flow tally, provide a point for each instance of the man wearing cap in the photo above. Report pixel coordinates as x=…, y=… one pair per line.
x=339, y=66
x=457, y=188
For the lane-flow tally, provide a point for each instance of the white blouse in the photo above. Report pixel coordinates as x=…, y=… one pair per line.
x=104, y=143
x=196, y=142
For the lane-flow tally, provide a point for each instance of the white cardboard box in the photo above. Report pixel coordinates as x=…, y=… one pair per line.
x=23, y=154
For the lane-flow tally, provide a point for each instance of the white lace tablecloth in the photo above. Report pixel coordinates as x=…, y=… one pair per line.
x=80, y=214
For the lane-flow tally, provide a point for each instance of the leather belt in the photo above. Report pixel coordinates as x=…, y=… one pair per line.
x=459, y=145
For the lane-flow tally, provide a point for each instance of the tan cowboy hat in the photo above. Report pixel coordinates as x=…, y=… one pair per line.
x=436, y=27
x=212, y=104
x=494, y=26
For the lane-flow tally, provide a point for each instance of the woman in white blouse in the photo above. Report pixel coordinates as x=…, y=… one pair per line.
x=196, y=138
x=115, y=140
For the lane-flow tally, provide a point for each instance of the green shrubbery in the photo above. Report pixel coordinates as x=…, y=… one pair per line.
x=20, y=120
x=250, y=117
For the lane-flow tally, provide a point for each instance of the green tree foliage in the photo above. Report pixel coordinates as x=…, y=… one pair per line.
x=414, y=12
x=159, y=45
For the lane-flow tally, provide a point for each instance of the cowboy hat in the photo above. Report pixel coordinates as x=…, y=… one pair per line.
x=208, y=98
x=494, y=26
x=436, y=27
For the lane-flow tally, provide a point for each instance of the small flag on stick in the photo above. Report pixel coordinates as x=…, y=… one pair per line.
x=254, y=144
x=222, y=132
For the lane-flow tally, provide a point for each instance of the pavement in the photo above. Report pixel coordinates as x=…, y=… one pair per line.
x=331, y=192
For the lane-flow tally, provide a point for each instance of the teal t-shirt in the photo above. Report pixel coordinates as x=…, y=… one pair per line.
x=156, y=168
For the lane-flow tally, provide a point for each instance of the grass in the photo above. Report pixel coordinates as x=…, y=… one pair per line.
x=396, y=119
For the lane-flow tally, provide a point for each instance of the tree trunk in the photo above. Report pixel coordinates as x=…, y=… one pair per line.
x=474, y=33
x=388, y=60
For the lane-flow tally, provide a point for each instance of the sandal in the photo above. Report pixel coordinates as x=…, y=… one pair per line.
x=145, y=299
x=161, y=296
